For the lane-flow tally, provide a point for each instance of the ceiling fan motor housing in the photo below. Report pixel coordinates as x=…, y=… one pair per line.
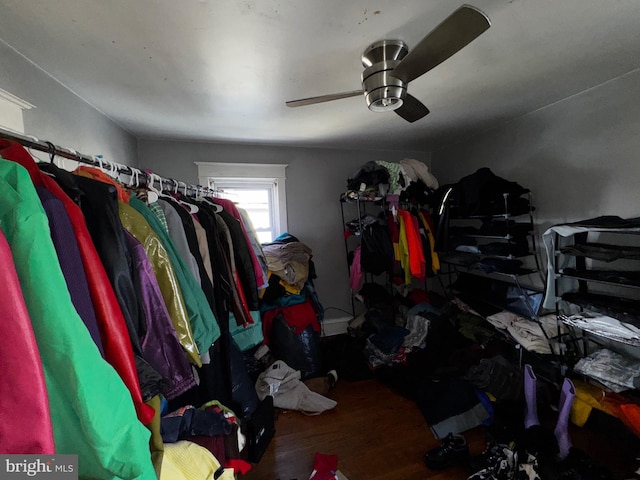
x=383, y=92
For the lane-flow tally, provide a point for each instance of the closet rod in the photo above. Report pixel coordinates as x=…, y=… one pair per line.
x=30, y=141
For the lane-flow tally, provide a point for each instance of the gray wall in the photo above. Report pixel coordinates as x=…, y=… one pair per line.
x=579, y=156
x=61, y=116
x=315, y=180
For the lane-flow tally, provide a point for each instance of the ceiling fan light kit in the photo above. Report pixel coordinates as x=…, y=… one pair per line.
x=383, y=92
x=389, y=66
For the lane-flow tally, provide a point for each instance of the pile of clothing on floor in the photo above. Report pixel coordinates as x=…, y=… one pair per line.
x=453, y=362
x=519, y=446
x=290, y=308
x=461, y=369
x=419, y=350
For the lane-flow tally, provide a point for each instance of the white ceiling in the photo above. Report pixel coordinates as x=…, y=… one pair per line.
x=222, y=70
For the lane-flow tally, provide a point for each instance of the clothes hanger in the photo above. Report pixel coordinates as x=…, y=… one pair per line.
x=152, y=195
x=98, y=159
x=216, y=207
x=192, y=208
x=135, y=176
x=120, y=169
x=113, y=170
x=152, y=189
x=52, y=152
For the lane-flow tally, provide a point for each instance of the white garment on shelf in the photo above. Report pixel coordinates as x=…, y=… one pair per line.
x=529, y=333
x=611, y=369
x=605, y=326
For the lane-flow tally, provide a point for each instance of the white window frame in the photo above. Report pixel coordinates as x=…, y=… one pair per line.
x=251, y=174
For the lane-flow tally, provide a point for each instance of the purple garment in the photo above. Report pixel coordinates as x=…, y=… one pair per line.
x=66, y=245
x=160, y=345
x=355, y=271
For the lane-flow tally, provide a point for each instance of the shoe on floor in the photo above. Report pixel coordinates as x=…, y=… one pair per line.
x=452, y=451
x=333, y=378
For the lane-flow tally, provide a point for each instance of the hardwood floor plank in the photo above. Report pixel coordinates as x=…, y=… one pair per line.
x=376, y=434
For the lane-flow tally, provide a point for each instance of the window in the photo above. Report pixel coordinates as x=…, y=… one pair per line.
x=256, y=198
x=257, y=188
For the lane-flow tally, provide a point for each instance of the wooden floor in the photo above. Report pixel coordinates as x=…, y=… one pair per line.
x=380, y=435
x=387, y=444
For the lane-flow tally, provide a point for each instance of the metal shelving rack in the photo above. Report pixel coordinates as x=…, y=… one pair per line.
x=526, y=293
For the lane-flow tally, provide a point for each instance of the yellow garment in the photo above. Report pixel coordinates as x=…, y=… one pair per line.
x=403, y=246
x=291, y=289
x=188, y=461
x=396, y=252
x=135, y=223
x=587, y=398
x=156, y=445
x=435, y=260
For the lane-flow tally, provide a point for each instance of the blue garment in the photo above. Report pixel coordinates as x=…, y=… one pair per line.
x=422, y=308
x=390, y=339
x=189, y=421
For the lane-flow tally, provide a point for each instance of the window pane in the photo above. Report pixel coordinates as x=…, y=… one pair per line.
x=257, y=203
x=265, y=237
x=260, y=219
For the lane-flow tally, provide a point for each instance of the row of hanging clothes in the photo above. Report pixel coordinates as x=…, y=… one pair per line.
x=126, y=303
x=399, y=241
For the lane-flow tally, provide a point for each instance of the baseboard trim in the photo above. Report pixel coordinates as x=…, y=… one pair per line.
x=335, y=326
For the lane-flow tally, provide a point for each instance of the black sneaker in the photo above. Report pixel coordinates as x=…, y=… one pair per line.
x=489, y=456
x=452, y=451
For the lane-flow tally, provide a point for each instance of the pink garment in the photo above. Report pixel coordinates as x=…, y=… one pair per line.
x=421, y=254
x=25, y=419
x=229, y=206
x=355, y=271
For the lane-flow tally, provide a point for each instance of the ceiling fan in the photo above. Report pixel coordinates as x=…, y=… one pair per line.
x=389, y=66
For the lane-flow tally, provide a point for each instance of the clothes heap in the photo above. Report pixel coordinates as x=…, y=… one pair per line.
x=407, y=180
x=290, y=307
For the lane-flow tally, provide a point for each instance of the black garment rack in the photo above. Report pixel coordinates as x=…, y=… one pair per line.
x=147, y=178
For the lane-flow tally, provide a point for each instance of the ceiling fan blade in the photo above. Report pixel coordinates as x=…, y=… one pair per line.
x=322, y=98
x=458, y=30
x=412, y=109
